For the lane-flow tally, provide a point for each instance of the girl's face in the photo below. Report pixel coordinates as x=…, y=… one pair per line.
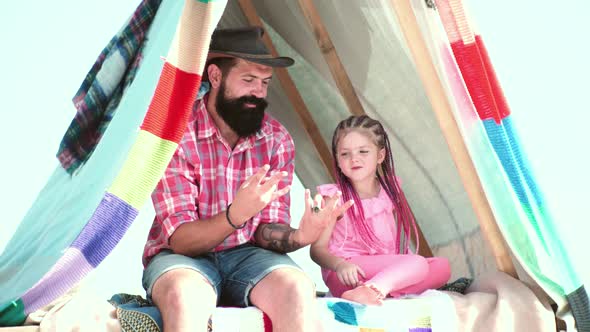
x=358, y=157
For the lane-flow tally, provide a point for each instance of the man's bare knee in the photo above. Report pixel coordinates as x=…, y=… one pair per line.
x=298, y=286
x=177, y=289
x=287, y=286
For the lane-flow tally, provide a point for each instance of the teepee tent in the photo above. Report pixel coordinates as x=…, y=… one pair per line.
x=420, y=68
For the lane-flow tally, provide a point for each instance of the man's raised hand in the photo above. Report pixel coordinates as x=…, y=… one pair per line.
x=319, y=212
x=255, y=194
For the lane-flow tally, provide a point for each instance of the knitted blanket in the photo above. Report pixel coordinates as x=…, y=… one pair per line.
x=409, y=314
x=493, y=303
x=79, y=218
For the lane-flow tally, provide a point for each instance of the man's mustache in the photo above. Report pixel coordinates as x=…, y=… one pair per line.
x=260, y=103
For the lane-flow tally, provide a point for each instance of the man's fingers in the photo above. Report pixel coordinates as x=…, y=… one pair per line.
x=333, y=200
x=339, y=210
x=257, y=177
x=273, y=181
x=281, y=192
x=308, y=200
x=317, y=200
x=272, y=177
x=342, y=208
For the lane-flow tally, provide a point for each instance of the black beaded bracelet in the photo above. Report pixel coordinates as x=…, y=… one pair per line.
x=229, y=220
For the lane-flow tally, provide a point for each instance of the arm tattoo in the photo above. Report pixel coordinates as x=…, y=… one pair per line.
x=277, y=237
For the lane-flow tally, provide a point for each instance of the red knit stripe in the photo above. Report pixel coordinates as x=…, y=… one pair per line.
x=172, y=103
x=499, y=97
x=474, y=62
x=267, y=323
x=476, y=80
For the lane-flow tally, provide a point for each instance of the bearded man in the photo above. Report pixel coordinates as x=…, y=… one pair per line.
x=221, y=231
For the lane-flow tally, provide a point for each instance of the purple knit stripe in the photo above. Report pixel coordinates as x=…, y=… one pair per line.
x=420, y=329
x=67, y=272
x=106, y=227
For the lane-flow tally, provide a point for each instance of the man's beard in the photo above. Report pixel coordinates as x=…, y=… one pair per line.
x=245, y=121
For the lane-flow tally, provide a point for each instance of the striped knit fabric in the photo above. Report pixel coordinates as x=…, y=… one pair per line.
x=147, y=159
x=520, y=209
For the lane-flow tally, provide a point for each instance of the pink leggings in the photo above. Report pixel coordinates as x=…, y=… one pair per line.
x=396, y=274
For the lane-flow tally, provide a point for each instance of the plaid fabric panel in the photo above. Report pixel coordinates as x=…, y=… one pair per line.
x=99, y=95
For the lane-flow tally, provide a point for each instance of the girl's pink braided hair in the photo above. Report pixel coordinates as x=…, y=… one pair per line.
x=386, y=176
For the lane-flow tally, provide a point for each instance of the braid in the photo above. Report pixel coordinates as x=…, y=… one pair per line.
x=386, y=177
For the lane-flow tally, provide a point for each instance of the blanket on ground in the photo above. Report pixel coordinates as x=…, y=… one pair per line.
x=495, y=302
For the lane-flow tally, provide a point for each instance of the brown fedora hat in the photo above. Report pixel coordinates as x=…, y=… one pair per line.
x=244, y=43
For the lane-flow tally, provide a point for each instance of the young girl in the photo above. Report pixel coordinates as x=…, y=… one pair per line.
x=365, y=254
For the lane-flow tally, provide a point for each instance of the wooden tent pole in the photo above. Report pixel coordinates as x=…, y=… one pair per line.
x=290, y=89
x=424, y=249
x=342, y=80
x=331, y=56
x=450, y=129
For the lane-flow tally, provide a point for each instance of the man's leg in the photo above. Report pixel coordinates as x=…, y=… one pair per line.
x=182, y=289
x=287, y=296
x=185, y=299
x=273, y=283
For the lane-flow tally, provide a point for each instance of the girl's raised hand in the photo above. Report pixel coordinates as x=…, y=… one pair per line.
x=348, y=273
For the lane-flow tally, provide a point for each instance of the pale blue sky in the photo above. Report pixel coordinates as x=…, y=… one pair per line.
x=47, y=49
x=538, y=49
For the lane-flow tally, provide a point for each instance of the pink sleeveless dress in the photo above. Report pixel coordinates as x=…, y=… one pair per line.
x=378, y=216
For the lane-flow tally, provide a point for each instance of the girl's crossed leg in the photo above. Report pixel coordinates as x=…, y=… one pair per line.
x=394, y=275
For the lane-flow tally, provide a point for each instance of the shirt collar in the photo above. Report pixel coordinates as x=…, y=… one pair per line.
x=205, y=125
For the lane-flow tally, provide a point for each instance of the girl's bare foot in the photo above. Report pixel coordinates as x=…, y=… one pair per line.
x=364, y=294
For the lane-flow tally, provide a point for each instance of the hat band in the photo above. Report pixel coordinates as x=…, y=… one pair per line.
x=247, y=55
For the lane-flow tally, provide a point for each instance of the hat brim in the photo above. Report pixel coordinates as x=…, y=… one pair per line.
x=280, y=62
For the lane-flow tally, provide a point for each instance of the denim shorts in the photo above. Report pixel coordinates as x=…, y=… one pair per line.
x=232, y=272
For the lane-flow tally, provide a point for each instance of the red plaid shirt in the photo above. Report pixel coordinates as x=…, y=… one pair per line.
x=205, y=174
